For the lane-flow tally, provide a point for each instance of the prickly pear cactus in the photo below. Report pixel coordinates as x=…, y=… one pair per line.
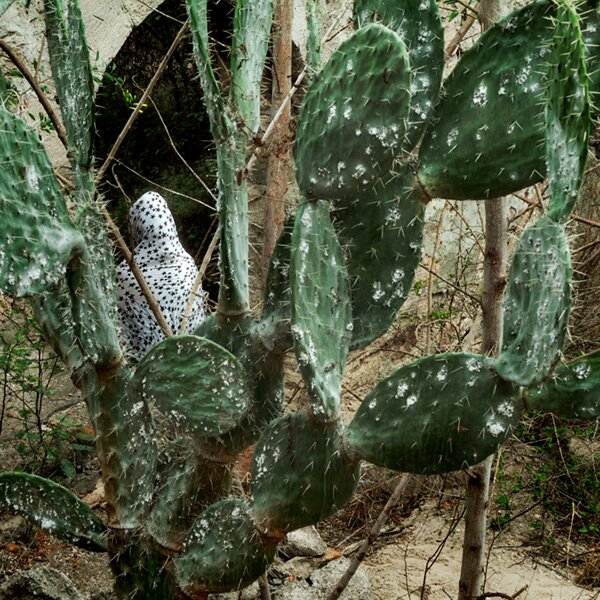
x=515, y=108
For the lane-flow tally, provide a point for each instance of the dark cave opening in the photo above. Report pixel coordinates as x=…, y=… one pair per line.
x=173, y=123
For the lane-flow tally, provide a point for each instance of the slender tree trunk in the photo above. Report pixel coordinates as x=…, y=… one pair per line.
x=278, y=168
x=494, y=281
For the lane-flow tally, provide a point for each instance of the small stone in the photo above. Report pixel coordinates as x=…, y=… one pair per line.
x=303, y=542
x=39, y=583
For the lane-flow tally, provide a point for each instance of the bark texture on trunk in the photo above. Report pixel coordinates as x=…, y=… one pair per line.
x=494, y=282
x=279, y=162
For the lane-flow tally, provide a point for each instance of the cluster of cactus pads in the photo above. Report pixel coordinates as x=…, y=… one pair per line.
x=378, y=136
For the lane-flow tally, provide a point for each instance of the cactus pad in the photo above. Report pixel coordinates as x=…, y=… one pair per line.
x=354, y=115
x=277, y=301
x=419, y=26
x=573, y=392
x=223, y=551
x=300, y=474
x=487, y=133
x=125, y=443
x=568, y=117
x=54, y=509
x=201, y=386
x=438, y=414
x=71, y=70
x=38, y=240
x=381, y=231
x=321, y=314
x=251, y=31
x=536, y=304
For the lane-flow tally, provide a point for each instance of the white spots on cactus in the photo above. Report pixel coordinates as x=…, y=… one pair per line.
x=349, y=66
x=452, y=137
x=401, y=388
x=495, y=428
x=582, y=371
x=306, y=221
x=506, y=409
x=359, y=171
x=388, y=136
x=47, y=523
x=137, y=408
x=347, y=112
x=368, y=150
x=523, y=75
x=480, y=95
x=331, y=114
x=411, y=400
x=442, y=374
x=341, y=166
x=358, y=131
x=378, y=292
x=32, y=179
x=474, y=365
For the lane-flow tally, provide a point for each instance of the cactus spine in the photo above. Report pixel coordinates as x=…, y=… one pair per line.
x=338, y=277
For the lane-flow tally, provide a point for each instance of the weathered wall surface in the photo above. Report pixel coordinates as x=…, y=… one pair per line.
x=108, y=23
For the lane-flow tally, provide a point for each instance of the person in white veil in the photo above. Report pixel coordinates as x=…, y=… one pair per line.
x=169, y=271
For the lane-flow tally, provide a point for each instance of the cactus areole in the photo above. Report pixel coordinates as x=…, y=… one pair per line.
x=378, y=132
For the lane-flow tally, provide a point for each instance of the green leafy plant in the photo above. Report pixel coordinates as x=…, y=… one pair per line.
x=338, y=278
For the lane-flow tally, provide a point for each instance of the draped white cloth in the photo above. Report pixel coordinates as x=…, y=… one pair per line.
x=169, y=272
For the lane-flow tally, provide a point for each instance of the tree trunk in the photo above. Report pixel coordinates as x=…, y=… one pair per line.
x=494, y=281
x=278, y=168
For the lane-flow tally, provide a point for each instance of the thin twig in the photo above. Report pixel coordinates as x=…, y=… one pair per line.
x=502, y=595
x=202, y=183
x=574, y=217
x=35, y=86
x=454, y=208
x=197, y=281
x=128, y=255
x=162, y=187
x=157, y=75
x=452, y=285
x=368, y=542
x=458, y=38
x=263, y=584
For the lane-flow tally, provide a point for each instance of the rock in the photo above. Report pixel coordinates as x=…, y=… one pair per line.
x=39, y=583
x=303, y=542
x=322, y=581
x=252, y=592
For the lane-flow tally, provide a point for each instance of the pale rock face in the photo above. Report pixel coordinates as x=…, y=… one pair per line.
x=169, y=271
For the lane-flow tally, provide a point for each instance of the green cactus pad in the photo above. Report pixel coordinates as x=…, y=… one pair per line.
x=277, y=300
x=486, y=136
x=244, y=339
x=223, y=551
x=381, y=231
x=54, y=509
x=186, y=485
x=300, y=474
x=573, y=391
x=568, y=116
x=125, y=443
x=589, y=21
x=38, y=240
x=536, y=304
x=201, y=386
x=251, y=31
x=419, y=26
x=354, y=115
x=221, y=121
x=438, y=414
x=321, y=313
x=72, y=73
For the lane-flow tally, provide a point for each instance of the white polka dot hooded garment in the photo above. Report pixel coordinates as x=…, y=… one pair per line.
x=169, y=271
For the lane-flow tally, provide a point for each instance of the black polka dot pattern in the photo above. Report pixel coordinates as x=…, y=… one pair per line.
x=169, y=272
